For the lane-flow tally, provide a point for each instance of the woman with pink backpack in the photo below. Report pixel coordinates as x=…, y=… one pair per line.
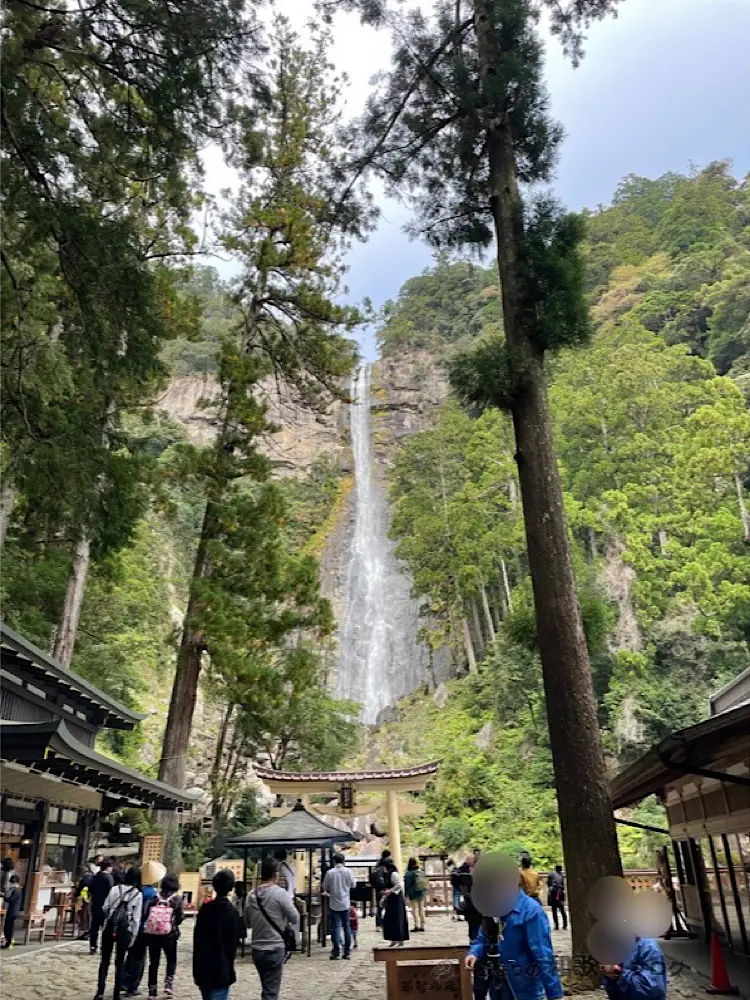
x=162, y=929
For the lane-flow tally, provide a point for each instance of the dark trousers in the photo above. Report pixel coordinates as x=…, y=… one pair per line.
x=559, y=908
x=9, y=926
x=483, y=987
x=134, y=965
x=157, y=945
x=97, y=922
x=339, y=922
x=120, y=948
x=270, y=966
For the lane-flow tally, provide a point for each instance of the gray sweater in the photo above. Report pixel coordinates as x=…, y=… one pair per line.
x=279, y=908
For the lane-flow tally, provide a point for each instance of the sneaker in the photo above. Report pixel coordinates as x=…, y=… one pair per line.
x=346, y=957
x=335, y=958
x=169, y=987
x=92, y=951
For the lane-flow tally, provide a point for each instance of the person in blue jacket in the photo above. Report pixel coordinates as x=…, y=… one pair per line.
x=525, y=953
x=642, y=976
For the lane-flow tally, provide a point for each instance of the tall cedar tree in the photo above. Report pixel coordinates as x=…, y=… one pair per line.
x=104, y=109
x=461, y=122
x=291, y=222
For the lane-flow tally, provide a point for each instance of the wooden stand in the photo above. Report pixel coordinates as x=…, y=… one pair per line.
x=444, y=979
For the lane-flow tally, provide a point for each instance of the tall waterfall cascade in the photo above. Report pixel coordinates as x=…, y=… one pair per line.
x=380, y=659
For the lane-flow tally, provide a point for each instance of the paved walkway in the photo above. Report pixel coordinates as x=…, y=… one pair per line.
x=68, y=972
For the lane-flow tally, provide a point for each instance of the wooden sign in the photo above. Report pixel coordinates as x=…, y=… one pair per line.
x=439, y=981
x=433, y=973
x=152, y=848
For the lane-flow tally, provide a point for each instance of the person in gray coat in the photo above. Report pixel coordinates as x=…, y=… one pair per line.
x=266, y=906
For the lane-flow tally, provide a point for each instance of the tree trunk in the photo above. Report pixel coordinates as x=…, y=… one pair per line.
x=7, y=503
x=185, y=688
x=506, y=585
x=744, y=516
x=468, y=645
x=584, y=806
x=487, y=613
x=67, y=628
x=214, y=780
x=479, y=645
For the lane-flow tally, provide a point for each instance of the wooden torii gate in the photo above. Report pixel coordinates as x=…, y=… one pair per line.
x=345, y=784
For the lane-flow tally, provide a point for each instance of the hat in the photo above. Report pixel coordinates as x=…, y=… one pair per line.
x=152, y=872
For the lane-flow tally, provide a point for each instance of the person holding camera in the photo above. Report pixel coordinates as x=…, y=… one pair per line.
x=525, y=951
x=273, y=920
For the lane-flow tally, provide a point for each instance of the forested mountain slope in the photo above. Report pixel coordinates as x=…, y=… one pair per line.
x=653, y=438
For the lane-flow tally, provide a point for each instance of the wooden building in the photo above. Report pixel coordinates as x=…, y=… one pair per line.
x=55, y=786
x=702, y=777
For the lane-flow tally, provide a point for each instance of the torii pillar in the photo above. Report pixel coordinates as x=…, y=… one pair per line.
x=394, y=828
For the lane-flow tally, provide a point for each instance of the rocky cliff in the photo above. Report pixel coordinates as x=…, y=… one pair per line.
x=406, y=392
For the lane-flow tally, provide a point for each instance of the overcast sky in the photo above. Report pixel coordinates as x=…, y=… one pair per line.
x=663, y=86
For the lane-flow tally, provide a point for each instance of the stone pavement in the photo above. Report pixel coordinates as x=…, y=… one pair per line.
x=68, y=972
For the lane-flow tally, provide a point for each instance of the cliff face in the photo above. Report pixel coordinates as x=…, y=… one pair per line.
x=406, y=392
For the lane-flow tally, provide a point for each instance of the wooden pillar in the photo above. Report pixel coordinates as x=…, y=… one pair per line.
x=394, y=830
x=36, y=861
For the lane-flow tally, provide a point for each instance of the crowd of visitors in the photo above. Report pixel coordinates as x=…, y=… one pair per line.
x=133, y=917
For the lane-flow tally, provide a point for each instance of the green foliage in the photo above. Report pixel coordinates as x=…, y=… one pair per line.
x=454, y=832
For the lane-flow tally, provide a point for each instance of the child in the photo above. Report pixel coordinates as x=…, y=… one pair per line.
x=354, y=923
x=12, y=907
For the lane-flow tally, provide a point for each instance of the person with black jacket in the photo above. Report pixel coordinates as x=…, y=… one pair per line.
x=215, y=940
x=12, y=895
x=99, y=888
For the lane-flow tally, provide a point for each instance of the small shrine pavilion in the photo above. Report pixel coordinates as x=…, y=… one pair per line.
x=344, y=785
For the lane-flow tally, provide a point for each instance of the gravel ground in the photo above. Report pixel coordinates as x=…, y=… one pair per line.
x=68, y=972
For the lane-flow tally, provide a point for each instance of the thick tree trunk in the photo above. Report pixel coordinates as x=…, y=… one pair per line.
x=584, y=806
x=185, y=688
x=487, y=613
x=67, y=628
x=7, y=503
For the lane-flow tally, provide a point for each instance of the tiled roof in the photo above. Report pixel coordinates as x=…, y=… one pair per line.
x=346, y=777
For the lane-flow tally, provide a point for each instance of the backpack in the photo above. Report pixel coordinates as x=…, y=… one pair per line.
x=118, y=922
x=379, y=879
x=420, y=881
x=160, y=917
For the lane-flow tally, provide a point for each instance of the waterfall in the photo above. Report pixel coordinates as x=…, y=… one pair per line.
x=380, y=659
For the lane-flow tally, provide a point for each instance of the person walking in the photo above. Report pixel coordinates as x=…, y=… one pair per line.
x=556, y=897
x=122, y=915
x=135, y=963
x=526, y=953
x=99, y=890
x=642, y=976
x=528, y=879
x=415, y=887
x=338, y=884
x=354, y=923
x=12, y=894
x=82, y=892
x=380, y=879
x=215, y=941
x=162, y=930
x=395, y=924
x=270, y=915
